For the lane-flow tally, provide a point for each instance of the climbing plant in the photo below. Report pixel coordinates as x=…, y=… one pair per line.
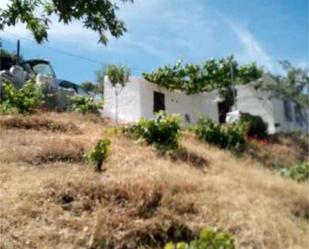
x=207, y=76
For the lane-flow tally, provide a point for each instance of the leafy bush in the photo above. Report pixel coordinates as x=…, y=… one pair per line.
x=299, y=172
x=255, y=125
x=162, y=131
x=207, y=239
x=228, y=137
x=85, y=104
x=24, y=100
x=99, y=153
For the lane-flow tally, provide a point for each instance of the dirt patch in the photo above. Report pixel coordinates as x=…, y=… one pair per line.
x=139, y=200
x=68, y=156
x=38, y=123
x=124, y=234
x=189, y=157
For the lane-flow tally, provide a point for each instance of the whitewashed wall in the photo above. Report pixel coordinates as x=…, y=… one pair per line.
x=256, y=103
x=129, y=102
x=270, y=109
x=136, y=101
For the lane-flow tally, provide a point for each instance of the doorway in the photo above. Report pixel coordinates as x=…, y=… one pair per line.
x=158, y=102
x=223, y=109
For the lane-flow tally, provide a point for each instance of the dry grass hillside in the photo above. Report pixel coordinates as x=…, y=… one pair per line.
x=50, y=198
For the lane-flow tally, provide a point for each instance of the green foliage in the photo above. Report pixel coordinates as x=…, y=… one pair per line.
x=99, y=16
x=91, y=87
x=228, y=137
x=207, y=239
x=162, y=131
x=85, y=104
x=118, y=74
x=299, y=172
x=99, y=153
x=6, y=109
x=254, y=125
x=210, y=75
x=7, y=59
x=25, y=99
x=293, y=85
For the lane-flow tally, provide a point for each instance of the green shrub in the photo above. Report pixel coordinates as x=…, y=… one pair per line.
x=85, y=104
x=299, y=172
x=229, y=137
x=207, y=239
x=162, y=131
x=24, y=100
x=99, y=153
x=255, y=125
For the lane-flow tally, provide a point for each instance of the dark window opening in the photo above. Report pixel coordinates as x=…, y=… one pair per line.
x=287, y=110
x=158, y=102
x=187, y=118
x=223, y=109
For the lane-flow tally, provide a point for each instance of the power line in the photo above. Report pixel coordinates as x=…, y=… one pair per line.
x=66, y=52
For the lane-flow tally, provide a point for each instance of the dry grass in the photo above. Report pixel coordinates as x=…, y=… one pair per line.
x=282, y=150
x=142, y=199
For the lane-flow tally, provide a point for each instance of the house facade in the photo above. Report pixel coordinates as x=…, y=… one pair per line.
x=141, y=99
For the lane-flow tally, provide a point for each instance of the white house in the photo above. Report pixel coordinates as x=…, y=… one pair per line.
x=140, y=98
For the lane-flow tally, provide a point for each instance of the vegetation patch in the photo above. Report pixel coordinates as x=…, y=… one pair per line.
x=228, y=137
x=208, y=238
x=162, y=131
x=99, y=153
x=254, y=125
x=85, y=105
x=38, y=123
x=24, y=100
x=299, y=172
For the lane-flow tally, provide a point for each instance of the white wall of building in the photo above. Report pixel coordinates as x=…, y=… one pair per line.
x=270, y=109
x=129, y=102
x=137, y=99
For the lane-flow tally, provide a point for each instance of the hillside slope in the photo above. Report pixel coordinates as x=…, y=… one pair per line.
x=50, y=198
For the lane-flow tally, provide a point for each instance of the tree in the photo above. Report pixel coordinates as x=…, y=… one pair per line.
x=90, y=87
x=8, y=59
x=100, y=74
x=294, y=85
x=99, y=16
x=210, y=75
x=118, y=77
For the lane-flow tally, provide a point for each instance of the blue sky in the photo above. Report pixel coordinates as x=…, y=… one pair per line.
x=163, y=31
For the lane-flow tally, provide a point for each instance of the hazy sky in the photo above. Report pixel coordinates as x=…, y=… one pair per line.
x=163, y=31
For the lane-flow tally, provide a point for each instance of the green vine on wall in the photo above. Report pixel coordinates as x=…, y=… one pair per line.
x=204, y=77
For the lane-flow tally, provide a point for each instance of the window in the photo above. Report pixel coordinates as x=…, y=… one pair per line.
x=76, y=88
x=158, y=102
x=298, y=114
x=187, y=118
x=43, y=68
x=287, y=110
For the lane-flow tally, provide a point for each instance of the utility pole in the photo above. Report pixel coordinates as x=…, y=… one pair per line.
x=18, y=52
x=233, y=86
